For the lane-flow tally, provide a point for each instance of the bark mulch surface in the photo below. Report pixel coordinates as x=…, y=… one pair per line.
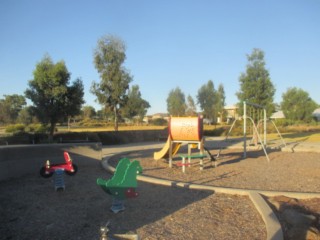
x=30, y=208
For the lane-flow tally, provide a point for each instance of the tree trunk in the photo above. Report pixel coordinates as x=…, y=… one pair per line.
x=52, y=127
x=115, y=118
x=69, y=120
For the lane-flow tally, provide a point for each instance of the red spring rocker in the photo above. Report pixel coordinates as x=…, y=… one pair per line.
x=68, y=167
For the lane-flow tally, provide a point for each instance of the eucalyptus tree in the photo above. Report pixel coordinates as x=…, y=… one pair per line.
x=111, y=91
x=191, y=108
x=136, y=105
x=207, y=100
x=220, y=102
x=255, y=84
x=176, y=103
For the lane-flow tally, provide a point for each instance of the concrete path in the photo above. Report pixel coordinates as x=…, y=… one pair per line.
x=274, y=231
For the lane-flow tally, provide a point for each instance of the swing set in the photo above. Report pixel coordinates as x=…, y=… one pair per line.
x=257, y=115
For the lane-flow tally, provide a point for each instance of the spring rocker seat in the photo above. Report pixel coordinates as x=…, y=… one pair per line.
x=123, y=183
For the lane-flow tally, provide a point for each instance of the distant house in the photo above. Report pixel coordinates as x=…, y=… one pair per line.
x=207, y=121
x=316, y=114
x=160, y=115
x=277, y=115
x=232, y=112
x=147, y=119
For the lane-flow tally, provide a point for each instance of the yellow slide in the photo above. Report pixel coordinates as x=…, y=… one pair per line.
x=164, y=152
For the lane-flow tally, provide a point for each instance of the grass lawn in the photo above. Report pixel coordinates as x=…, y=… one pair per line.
x=297, y=137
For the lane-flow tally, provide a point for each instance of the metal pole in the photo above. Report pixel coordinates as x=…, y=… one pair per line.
x=260, y=140
x=227, y=136
x=279, y=134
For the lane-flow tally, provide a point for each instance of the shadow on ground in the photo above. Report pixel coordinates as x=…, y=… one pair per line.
x=30, y=208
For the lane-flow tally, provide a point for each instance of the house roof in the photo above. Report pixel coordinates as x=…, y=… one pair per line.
x=277, y=115
x=316, y=112
x=231, y=107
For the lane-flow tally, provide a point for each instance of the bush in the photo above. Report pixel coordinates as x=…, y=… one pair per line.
x=42, y=129
x=159, y=122
x=37, y=128
x=16, y=128
x=93, y=123
x=220, y=131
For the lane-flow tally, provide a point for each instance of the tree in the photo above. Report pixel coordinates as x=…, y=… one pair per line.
x=104, y=114
x=206, y=99
x=25, y=116
x=111, y=92
x=255, y=84
x=176, y=103
x=10, y=107
x=220, y=102
x=88, y=112
x=52, y=96
x=136, y=106
x=297, y=105
x=191, y=109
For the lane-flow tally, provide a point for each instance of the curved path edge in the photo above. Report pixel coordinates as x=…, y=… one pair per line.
x=273, y=226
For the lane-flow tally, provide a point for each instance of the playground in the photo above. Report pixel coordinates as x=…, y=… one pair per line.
x=189, y=187
x=31, y=207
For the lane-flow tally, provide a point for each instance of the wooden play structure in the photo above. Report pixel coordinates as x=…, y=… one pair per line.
x=183, y=130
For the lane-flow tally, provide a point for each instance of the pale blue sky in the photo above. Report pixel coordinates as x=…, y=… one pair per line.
x=169, y=43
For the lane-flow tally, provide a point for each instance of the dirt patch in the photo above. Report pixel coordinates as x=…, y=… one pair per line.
x=285, y=171
x=299, y=218
x=30, y=208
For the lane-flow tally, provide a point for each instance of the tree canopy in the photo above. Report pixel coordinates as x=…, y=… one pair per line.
x=206, y=99
x=191, y=109
x=10, y=107
x=176, y=103
x=52, y=96
x=297, y=105
x=111, y=92
x=88, y=112
x=220, y=102
x=136, y=105
x=255, y=84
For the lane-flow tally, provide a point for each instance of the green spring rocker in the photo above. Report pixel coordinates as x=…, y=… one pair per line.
x=123, y=184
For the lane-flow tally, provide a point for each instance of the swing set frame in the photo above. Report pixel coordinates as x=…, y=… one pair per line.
x=251, y=118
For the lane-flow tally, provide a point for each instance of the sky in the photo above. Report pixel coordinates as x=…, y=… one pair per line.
x=169, y=43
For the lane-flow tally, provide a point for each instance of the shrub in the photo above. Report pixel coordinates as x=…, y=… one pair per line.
x=15, y=128
x=220, y=131
x=159, y=122
x=93, y=123
x=42, y=128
